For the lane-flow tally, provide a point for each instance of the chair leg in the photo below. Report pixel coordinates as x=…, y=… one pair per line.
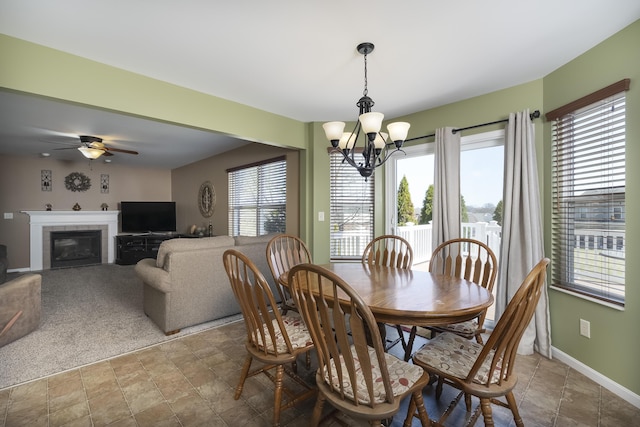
x=243, y=376
x=479, y=339
x=277, y=404
x=417, y=401
x=467, y=401
x=409, y=347
x=410, y=413
x=317, y=411
x=439, y=387
x=485, y=404
x=511, y=400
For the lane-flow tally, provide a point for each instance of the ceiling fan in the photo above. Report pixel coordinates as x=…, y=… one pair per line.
x=92, y=147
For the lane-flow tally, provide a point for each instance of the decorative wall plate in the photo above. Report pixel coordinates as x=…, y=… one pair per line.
x=207, y=199
x=77, y=181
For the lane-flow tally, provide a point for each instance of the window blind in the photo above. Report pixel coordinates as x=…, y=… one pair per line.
x=258, y=198
x=588, y=191
x=351, y=210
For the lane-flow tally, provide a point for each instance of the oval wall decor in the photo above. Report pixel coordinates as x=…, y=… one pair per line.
x=207, y=199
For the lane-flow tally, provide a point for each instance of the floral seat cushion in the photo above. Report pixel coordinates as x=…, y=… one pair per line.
x=295, y=329
x=454, y=355
x=402, y=375
x=470, y=327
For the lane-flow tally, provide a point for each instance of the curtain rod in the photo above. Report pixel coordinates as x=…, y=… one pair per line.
x=532, y=116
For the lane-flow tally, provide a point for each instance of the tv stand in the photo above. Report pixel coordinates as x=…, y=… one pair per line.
x=131, y=248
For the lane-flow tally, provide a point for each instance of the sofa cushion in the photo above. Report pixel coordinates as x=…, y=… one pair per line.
x=248, y=240
x=182, y=244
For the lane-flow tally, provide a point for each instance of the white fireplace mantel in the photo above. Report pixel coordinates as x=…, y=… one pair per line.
x=40, y=219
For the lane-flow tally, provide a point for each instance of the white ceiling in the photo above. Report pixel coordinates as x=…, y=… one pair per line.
x=291, y=57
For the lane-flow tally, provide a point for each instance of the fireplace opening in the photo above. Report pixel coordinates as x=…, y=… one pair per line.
x=75, y=248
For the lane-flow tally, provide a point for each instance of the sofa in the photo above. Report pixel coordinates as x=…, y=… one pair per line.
x=4, y=263
x=20, y=307
x=186, y=284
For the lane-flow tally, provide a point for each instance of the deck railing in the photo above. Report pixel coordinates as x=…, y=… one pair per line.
x=419, y=236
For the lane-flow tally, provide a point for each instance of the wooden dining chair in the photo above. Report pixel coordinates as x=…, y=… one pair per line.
x=471, y=260
x=275, y=340
x=359, y=380
x=283, y=252
x=390, y=251
x=486, y=371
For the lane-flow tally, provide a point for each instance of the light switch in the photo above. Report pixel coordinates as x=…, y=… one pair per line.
x=8, y=215
x=320, y=216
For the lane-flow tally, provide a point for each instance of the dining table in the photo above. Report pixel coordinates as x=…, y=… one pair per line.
x=412, y=297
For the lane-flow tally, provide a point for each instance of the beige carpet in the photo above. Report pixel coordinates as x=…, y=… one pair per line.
x=88, y=314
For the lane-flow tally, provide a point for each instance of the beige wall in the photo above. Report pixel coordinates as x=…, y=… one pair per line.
x=20, y=190
x=186, y=183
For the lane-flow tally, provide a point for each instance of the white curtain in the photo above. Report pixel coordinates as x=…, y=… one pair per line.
x=522, y=243
x=446, y=187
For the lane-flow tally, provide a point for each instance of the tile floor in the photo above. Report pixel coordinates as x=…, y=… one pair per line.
x=190, y=381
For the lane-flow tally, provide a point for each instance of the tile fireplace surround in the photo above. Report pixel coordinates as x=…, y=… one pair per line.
x=42, y=223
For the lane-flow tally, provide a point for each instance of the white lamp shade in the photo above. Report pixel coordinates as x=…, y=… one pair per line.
x=333, y=130
x=398, y=130
x=380, y=141
x=91, y=153
x=371, y=122
x=348, y=140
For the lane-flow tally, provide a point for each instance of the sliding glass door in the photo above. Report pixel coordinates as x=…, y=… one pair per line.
x=481, y=188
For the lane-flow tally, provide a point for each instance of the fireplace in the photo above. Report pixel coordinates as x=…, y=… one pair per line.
x=75, y=248
x=43, y=223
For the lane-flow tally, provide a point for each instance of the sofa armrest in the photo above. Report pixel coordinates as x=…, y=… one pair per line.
x=21, y=294
x=153, y=276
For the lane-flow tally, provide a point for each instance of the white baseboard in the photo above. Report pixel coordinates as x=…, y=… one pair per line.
x=596, y=376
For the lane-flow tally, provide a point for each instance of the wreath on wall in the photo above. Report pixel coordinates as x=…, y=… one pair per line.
x=77, y=181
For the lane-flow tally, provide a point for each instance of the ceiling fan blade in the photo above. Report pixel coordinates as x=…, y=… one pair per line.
x=120, y=150
x=66, y=148
x=106, y=153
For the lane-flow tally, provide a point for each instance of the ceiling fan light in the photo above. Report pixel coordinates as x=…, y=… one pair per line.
x=371, y=122
x=91, y=153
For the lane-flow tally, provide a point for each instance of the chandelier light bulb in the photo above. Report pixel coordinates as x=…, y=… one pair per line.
x=333, y=130
x=398, y=131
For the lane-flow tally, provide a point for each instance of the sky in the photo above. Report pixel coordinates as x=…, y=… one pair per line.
x=481, y=174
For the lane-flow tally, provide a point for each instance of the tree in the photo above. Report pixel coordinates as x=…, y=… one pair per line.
x=497, y=213
x=426, y=213
x=464, y=215
x=405, y=205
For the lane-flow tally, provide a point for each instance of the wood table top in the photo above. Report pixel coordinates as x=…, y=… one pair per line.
x=412, y=297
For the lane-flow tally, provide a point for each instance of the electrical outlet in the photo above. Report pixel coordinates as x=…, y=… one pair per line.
x=585, y=328
x=8, y=215
x=320, y=216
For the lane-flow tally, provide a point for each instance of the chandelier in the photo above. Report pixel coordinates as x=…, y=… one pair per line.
x=377, y=146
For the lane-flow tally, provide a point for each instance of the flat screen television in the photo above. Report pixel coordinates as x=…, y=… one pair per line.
x=148, y=217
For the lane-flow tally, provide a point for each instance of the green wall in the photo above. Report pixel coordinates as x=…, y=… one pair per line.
x=614, y=346
x=611, y=350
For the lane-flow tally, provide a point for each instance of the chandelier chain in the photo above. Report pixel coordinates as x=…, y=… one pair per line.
x=365, y=92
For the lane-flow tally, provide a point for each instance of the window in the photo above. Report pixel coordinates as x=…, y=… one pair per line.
x=258, y=198
x=352, y=209
x=588, y=191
